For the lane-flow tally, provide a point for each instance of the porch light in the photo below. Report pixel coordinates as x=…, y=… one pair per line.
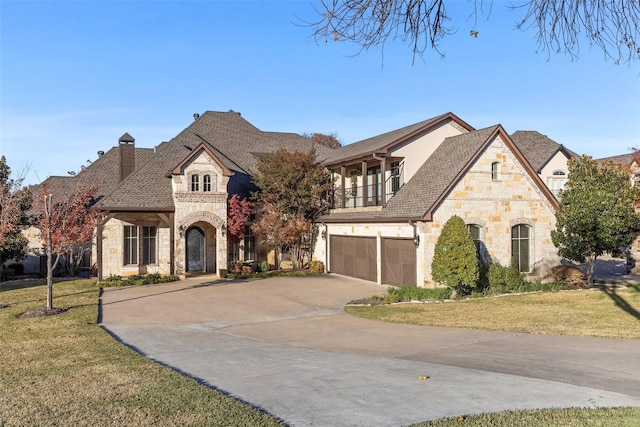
x=416, y=240
x=223, y=229
x=324, y=234
x=181, y=230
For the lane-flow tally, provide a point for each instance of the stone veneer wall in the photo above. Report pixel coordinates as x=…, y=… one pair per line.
x=113, y=246
x=496, y=206
x=192, y=207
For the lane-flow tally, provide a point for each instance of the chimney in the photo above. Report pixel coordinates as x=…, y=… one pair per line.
x=127, y=155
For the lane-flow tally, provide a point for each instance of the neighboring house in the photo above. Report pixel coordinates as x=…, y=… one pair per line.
x=629, y=161
x=166, y=208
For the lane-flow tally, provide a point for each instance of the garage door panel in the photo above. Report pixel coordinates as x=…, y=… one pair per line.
x=398, y=262
x=354, y=257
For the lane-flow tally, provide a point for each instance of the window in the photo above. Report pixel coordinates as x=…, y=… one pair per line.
x=130, y=244
x=395, y=177
x=354, y=187
x=495, y=171
x=249, y=248
x=520, y=247
x=195, y=182
x=149, y=245
x=474, y=231
x=206, y=183
x=556, y=182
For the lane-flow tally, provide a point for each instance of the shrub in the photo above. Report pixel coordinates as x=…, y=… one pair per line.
x=17, y=268
x=455, y=259
x=316, y=267
x=7, y=274
x=505, y=279
x=263, y=266
x=247, y=270
x=136, y=280
x=569, y=275
x=415, y=293
x=237, y=266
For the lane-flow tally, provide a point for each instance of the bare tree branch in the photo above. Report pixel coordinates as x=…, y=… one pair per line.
x=560, y=25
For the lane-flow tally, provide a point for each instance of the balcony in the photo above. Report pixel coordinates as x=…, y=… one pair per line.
x=354, y=195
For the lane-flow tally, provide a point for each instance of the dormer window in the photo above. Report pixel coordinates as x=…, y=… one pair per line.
x=495, y=171
x=195, y=182
x=206, y=183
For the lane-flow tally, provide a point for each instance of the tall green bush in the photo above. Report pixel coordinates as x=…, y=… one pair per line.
x=455, y=261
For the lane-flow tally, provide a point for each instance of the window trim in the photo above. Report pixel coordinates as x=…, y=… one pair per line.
x=195, y=182
x=495, y=171
x=520, y=239
x=130, y=245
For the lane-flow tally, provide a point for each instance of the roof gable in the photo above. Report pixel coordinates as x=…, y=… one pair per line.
x=202, y=148
x=387, y=141
x=539, y=149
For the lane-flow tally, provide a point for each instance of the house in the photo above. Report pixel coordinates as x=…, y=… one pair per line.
x=165, y=209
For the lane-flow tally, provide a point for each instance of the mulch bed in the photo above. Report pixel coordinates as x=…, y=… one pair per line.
x=366, y=301
x=42, y=313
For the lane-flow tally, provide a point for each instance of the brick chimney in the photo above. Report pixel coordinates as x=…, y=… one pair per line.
x=127, y=155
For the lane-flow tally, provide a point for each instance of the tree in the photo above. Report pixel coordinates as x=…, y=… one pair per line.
x=330, y=140
x=597, y=212
x=612, y=25
x=239, y=214
x=294, y=186
x=455, y=260
x=67, y=226
x=15, y=201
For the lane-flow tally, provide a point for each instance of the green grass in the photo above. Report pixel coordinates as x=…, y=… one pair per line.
x=593, y=313
x=571, y=417
x=65, y=370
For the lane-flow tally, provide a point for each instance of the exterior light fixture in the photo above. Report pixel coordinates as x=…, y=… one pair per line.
x=181, y=230
x=223, y=229
x=416, y=240
x=324, y=234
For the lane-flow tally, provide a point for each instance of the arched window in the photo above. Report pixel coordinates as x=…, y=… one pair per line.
x=195, y=182
x=495, y=171
x=206, y=183
x=557, y=181
x=521, y=247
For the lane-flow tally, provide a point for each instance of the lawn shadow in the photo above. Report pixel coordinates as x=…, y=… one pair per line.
x=621, y=302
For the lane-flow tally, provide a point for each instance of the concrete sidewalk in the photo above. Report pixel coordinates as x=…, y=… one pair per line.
x=286, y=346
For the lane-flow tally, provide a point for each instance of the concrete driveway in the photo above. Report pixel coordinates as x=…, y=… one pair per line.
x=286, y=346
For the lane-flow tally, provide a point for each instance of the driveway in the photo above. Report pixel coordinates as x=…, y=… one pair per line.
x=286, y=346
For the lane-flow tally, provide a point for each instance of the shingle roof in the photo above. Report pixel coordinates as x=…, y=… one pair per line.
x=418, y=196
x=622, y=159
x=103, y=172
x=229, y=136
x=379, y=142
x=537, y=148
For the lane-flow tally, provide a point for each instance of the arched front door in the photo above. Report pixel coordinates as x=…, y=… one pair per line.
x=195, y=249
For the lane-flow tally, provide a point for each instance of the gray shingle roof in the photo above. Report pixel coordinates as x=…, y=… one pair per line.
x=537, y=148
x=622, y=159
x=231, y=138
x=379, y=142
x=418, y=196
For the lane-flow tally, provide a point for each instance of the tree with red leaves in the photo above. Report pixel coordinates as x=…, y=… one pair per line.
x=238, y=216
x=330, y=140
x=67, y=226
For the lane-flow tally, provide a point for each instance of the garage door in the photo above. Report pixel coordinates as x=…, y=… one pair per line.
x=353, y=256
x=398, y=262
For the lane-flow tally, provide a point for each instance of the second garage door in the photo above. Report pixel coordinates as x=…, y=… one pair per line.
x=354, y=256
x=398, y=262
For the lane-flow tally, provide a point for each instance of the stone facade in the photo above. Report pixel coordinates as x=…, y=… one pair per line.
x=496, y=206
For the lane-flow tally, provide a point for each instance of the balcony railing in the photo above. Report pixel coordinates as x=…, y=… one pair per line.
x=354, y=195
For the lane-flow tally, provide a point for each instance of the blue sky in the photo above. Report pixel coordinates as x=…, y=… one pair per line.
x=75, y=76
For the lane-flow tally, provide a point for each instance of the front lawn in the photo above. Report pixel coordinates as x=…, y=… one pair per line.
x=608, y=313
x=65, y=370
